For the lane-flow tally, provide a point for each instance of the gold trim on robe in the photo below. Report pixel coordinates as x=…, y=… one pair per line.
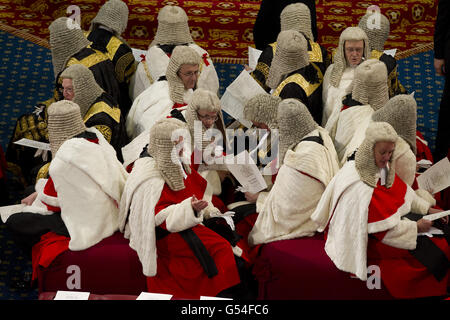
x=102, y=107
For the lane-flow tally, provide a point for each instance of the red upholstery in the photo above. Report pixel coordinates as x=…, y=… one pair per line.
x=110, y=266
x=301, y=269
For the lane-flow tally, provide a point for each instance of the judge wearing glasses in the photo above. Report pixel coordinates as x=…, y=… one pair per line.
x=168, y=97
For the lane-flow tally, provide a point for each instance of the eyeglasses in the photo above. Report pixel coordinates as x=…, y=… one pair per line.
x=190, y=74
x=206, y=117
x=68, y=90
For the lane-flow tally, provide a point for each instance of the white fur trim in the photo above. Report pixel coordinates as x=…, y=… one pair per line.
x=181, y=216
x=424, y=194
x=420, y=205
x=262, y=196
x=348, y=124
x=287, y=208
x=332, y=97
x=49, y=200
x=233, y=205
x=89, y=181
x=213, y=179
x=402, y=236
x=141, y=194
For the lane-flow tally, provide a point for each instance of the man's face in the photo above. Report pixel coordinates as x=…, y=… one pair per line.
x=207, y=118
x=67, y=89
x=383, y=152
x=189, y=73
x=354, y=50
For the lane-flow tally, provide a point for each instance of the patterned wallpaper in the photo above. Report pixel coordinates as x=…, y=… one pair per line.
x=225, y=28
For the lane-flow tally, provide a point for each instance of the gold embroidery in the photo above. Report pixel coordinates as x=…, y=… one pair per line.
x=147, y=72
x=112, y=46
x=301, y=81
x=90, y=60
x=105, y=131
x=102, y=107
x=375, y=54
x=315, y=55
x=122, y=63
x=43, y=172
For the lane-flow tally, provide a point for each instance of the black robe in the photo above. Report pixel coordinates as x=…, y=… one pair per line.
x=121, y=56
x=317, y=55
x=395, y=87
x=107, y=118
x=442, y=51
x=304, y=85
x=20, y=160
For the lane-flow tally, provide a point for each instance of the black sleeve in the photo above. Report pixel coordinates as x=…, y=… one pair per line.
x=262, y=67
x=293, y=90
x=442, y=29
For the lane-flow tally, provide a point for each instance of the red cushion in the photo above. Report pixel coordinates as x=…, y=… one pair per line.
x=109, y=267
x=301, y=269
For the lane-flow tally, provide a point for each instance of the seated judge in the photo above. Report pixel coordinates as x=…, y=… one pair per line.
x=308, y=162
x=401, y=113
x=97, y=108
x=377, y=28
x=291, y=75
x=365, y=211
x=105, y=34
x=368, y=93
x=163, y=209
x=173, y=30
x=296, y=17
x=170, y=92
x=353, y=49
x=261, y=111
x=68, y=46
x=79, y=199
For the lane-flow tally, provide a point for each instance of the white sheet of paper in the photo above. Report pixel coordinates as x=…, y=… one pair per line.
x=33, y=144
x=391, y=52
x=424, y=163
x=253, y=56
x=431, y=232
x=243, y=88
x=7, y=211
x=436, y=178
x=154, y=296
x=137, y=54
x=132, y=150
x=213, y=298
x=244, y=169
x=71, y=295
x=437, y=215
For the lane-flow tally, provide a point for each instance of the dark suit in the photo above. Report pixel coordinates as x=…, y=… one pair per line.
x=442, y=51
x=267, y=24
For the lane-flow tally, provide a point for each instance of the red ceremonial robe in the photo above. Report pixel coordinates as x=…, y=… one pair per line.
x=402, y=274
x=178, y=270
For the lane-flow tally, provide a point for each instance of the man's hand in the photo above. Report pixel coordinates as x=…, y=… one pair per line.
x=251, y=197
x=198, y=205
x=30, y=199
x=439, y=66
x=424, y=225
